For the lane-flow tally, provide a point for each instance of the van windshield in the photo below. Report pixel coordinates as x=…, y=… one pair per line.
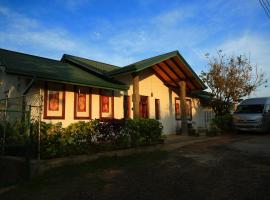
x=258, y=108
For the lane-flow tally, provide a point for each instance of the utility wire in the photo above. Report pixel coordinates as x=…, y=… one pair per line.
x=268, y=2
x=266, y=5
x=266, y=9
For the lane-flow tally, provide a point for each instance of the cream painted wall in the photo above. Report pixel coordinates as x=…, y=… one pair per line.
x=69, y=107
x=118, y=105
x=16, y=85
x=150, y=85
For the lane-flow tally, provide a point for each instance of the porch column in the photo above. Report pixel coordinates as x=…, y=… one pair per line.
x=182, y=95
x=136, y=96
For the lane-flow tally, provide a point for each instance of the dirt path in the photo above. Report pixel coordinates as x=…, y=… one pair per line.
x=216, y=169
x=209, y=170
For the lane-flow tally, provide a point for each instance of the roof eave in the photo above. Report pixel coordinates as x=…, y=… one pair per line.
x=119, y=87
x=76, y=62
x=134, y=69
x=174, y=53
x=194, y=73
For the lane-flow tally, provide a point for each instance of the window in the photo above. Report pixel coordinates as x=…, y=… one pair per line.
x=54, y=101
x=189, y=109
x=126, y=107
x=82, y=103
x=157, y=108
x=250, y=109
x=106, y=104
x=144, y=109
x=178, y=109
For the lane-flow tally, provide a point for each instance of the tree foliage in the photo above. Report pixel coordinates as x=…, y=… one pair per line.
x=230, y=78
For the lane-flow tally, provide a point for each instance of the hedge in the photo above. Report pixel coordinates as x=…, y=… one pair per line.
x=88, y=137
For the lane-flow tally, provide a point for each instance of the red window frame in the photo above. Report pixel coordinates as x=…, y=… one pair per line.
x=144, y=101
x=46, y=89
x=100, y=105
x=88, y=92
x=157, y=109
x=179, y=109
x=188, y=111
x=126, y=106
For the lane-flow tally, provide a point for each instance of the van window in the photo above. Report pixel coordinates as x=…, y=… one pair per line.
x=258, y=108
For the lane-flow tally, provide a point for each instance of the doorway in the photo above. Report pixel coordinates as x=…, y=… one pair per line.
x=144, y=107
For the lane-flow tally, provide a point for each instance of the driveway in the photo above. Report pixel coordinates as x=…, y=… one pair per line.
x=228, y=167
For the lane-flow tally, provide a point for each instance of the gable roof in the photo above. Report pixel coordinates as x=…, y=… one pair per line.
x=169, y=67
x=142, y=64
x=202, y=94
x=150, y=62
x=92, y=65
x=52, y=70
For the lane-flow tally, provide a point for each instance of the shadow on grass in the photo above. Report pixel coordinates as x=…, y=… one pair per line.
x=55, y=184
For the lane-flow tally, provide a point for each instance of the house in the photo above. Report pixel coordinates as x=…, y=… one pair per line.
x=163, y=87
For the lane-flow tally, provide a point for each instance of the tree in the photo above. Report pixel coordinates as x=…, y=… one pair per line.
x=230, y=79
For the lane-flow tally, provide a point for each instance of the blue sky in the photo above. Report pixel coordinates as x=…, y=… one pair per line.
x=121, y=32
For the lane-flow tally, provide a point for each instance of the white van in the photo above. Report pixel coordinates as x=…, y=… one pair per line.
x=253, y=115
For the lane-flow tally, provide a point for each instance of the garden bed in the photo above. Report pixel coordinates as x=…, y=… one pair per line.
x=81, y=138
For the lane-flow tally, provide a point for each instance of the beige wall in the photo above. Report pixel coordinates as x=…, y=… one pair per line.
x=17, y=84
x=150, y=85
x=69, y=106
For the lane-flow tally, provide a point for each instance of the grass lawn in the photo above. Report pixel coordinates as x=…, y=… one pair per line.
x=92, y=175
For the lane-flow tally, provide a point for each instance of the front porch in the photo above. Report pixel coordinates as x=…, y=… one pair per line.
x=175, y=74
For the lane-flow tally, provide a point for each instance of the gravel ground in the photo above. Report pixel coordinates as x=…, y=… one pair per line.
x=229, y=167
x=209, y=170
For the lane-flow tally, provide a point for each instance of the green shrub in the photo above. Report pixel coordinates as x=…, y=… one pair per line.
x=13, y=133
x=85, y=137
x=110, y=132
x=143, y=131
x=221, y=123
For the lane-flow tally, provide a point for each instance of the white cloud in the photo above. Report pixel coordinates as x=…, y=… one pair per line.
x=121, y=47
x=167, y=31
x=255, y=46
x=130, y=40
x=20, y=30
x=72, y=5
x=172, y=17
x=22, y=33
x=3, y=11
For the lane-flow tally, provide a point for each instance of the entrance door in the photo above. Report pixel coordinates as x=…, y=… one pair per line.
x=126, y=107
x=144, y=110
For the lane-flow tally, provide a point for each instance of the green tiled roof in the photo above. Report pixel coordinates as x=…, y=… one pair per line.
x=202, y=94
x=143, y=64
x=92, y=65
x=53, y=70
x=80, y=71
